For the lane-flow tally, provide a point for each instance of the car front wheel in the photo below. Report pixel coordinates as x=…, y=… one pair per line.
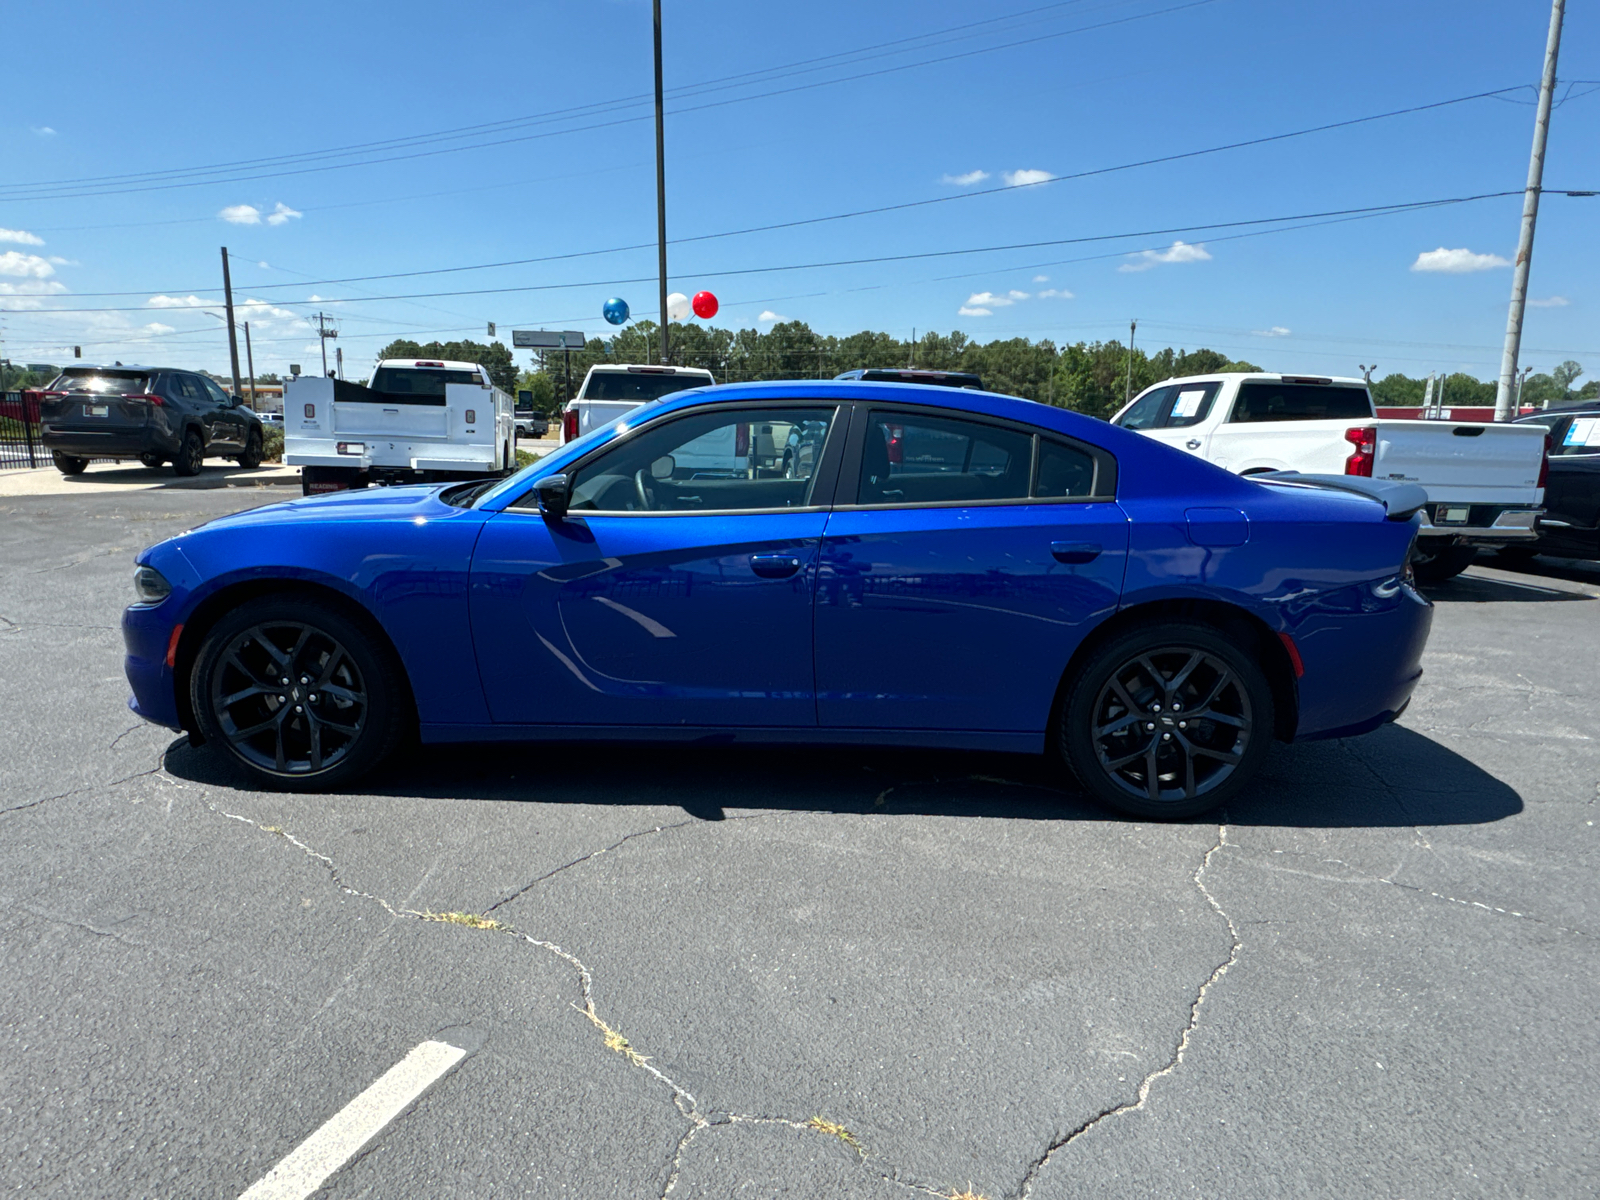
x=297, y=694
x=1166, y=721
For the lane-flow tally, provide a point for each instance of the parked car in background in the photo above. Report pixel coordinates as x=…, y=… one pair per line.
x=1485, y=483
x=611, y=389
x=1570, y=526
x=154, y=414
x=531, y=424
x=1048, y=582
x=271, y=418
x=959, y=379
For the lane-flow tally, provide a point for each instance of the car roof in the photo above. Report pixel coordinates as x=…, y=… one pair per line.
x=1285, y=377
x=80, y=367
x=432, y=362
x=1581, y=407
x=652, y=368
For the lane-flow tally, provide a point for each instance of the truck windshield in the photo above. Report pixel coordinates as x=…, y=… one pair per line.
x=638, y=386
x=1263, y=401
x=102, y=383
x=412, y=385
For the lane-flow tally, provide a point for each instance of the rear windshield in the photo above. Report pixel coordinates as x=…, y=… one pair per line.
x=1260, y=400
x=638, y=386
x=414, y=385
x=102, y=383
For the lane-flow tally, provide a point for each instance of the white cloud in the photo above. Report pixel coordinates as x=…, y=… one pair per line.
x=1457, y=262
x=967, y=179
x=281, y=214
x=190, y=301
x=156, y=328
x=1024, y=178
x=768, y=315
x=1179, y=252
x=967, y=310
x=24, y=293
x=1055, y=294
x=264, y=266
x=241, y=214
x=1041, y=279
x=1275, y=331
x=21, y=237
x=992, y=300
x=25, y=266
x=313, y=299
x=44, y=131
x=1550, y=302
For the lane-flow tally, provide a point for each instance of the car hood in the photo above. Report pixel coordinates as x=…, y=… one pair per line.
x=361, y=504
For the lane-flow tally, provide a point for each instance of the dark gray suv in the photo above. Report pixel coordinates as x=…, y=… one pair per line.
x=154, y=414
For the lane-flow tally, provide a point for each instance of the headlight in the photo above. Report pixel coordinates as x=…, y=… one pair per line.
x=150, y=585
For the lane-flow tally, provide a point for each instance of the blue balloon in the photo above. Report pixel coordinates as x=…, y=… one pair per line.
x=616, y=310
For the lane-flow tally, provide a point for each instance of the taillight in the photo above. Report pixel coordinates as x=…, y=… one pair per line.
x=148, y=398
x=1544, y=464
x=896, y=446
x=569, y=425
x=741, y=440
x=1365, y=440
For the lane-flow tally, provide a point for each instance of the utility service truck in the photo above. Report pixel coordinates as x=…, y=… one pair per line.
x=418, y=421
x=1485, y=482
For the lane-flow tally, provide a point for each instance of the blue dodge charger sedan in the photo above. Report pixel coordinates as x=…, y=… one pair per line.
x=948, y=569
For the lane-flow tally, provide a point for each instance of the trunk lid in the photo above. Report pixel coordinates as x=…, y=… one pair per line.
x=1465, y=462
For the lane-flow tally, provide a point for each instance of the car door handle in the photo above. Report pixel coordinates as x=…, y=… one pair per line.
x=1075, y=552
x=1193, y=443
x=774, y=566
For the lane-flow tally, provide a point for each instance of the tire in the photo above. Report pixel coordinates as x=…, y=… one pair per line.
x=69, y=464
x=152, y=460
x=276, y=732
x=191, y=454
x=1439, y=566
x=254, y=449
x=1205, y=760
x=1517, y=556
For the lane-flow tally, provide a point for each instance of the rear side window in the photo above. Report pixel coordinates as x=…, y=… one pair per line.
x=1063, y=471
x=1191, y=404
x=638, y=386
x=910, y=458
x=1261, y=400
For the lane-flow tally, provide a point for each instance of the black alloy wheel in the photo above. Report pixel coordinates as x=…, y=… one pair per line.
x=1167, y=722
x=191, y=454
x=297, y=693
x=151, y=460
x=253, y=451
x=69, y=464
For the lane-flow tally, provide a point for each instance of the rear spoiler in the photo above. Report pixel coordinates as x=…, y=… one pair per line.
x=1401, y=501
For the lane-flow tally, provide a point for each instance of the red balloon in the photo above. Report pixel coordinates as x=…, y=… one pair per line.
x=705, y=305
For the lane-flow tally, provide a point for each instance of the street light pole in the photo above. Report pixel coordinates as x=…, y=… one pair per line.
x=1503, y=410
x=661, y=184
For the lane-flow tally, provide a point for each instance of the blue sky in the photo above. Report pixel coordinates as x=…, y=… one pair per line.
x=99, y=89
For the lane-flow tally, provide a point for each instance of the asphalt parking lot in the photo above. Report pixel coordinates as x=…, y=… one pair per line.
x=702, y=972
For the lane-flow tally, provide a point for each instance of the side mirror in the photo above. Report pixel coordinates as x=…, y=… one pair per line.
x=553, y=491
x=235, y=401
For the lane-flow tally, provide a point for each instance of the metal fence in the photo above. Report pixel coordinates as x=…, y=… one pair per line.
x=19, y=432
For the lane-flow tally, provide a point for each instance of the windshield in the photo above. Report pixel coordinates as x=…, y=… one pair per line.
x=102, y=383
x=570, y=452
x=414, y=385
x=639, y=386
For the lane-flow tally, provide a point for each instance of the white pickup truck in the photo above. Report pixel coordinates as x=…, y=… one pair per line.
x=611, y=389
x=1485, y=482
x=419, y=421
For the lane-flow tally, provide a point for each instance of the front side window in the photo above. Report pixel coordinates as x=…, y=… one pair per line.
x=1147, y=410
x=912, y=458
x=1580, y=436
x=1261, y=400
x=218, y=396
x=727, y=460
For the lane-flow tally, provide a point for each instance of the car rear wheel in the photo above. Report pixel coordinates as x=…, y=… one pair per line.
x=1166, y=721
x=1445, y=563
x=153, y=461
x=69, y=464
x=253, y=450
x=191, y=455
x=297, y=694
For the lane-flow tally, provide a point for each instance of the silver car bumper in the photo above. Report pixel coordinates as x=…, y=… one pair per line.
x=1512, y=525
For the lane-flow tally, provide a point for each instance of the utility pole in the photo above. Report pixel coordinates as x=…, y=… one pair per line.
x=233, y=337
x=1133, y=328
x=250, y=364
x=661, y=186
x=1503, y=410
x=324, y=332
x=338, y=362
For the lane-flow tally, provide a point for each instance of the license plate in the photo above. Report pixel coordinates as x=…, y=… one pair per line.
x=1454, y=516
x=96, y=410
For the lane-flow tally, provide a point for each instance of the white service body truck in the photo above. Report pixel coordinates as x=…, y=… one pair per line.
x=418, y=421
x=1485, y=482
x=611, y=389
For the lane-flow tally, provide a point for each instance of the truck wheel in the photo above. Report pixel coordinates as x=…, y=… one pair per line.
x=191, y=455
x=1166, y=721
x=1441, y=565
x=69, y=464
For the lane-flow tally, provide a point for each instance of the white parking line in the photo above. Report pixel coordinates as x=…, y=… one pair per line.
x=356, y=1124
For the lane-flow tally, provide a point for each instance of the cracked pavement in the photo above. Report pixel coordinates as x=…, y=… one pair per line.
x=763, y=973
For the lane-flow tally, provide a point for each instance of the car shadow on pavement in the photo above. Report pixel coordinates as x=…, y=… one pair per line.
x=1478, y=589
x=1369, y=781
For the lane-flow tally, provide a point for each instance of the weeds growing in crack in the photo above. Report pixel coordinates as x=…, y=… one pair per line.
x=470, y=920
x=834, y=1129
x=1173, y=1063
x=614, y=1040
x=969, y=1194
